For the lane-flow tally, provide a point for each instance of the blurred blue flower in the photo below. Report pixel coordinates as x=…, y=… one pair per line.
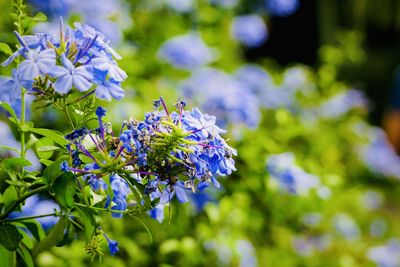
x=249, y=30
x=34, y=206
x=247, y=253
x=52, y=8
x=378, y=154
x=378, y=228
x=7, y=139
x=371, y=200
x=282, y=8
x=222, y=96
x=342, y=103
x=111, y=17
x=186, y=51
x=387, y=255
x=307, y=245
x=346, y=226
x=293, y=179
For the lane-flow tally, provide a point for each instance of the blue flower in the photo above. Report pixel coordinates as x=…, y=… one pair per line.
x=100, y=112
x=387, y=255
x=342, y=103
x=87, y=32
x=157, y=213
x=104, y=62
x=69, y=76
x=64, y=166
x=346, y=226
x=256, y=79
x=379, y=147
x=51, y=8
x=37, y=62
x=186, y=51
x=120, y=190
x=107, y=88
x=11, y=88
x=282, y=8
x=290, y=177
x=249, y=30
x=112, y=245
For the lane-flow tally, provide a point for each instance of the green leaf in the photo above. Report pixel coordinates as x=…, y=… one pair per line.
x=10, y=237
x=9, y=196
x=15, y=164
x=64, y=188
x=39, y=17
x=35, y=228
x=89, y=221
x=53, y=135
x=52, y=172
x=9, y=148
x=7, y=258
x=54, y=237
x=26, y=256
x=5, y=49
x=46, y=162
x=10, y=110
x=45, y=148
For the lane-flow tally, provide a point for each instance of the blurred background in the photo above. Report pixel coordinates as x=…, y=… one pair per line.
x=309, y=92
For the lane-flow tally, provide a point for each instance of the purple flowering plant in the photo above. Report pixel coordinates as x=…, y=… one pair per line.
x=89, y=173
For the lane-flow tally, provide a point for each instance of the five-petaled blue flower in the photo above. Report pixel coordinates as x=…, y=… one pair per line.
x=37, y=62
x=69, y=76
x=107, y=88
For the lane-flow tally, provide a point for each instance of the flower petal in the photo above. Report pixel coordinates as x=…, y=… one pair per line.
x=63, y=84
x=81, y=83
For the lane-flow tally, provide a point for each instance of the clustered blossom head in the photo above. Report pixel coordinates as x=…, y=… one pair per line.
x=167, y=153
x=75, y=59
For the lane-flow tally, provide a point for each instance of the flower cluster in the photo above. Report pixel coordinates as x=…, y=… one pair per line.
x=164, y=155
x=79, y=58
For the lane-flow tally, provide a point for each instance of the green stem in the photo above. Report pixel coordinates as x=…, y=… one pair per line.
x=22, y=199
x=67, y=113
x=31, y=217
x=101, y=209
x=22, y=122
